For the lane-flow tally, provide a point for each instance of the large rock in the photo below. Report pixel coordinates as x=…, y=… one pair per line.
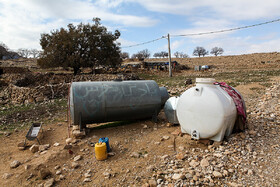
x=193, y=164
x=178, y=176
x=75, y=165
x=68, y=141
x=67, y=147
x=135, y=155
x=164, y=157
x=34, y=148
x=233, y=184
x=26, y=167
x=150, y=168
x=15, y=164
x=43, y=152
x=40, y=99
x=78, y=134
x=21, y=146
x=249, y=147
x=49, y=182
x=44, y=173
x=189, y=175
x=75, y=127
x=7, y=134
x=7, y=175
x=87, y=180
x=217, y=174
x=225, y=173
x=180, y=156
x=44, y=147
x=31, y=100
x=152, y=183
x=56, y=144
x=77, y=158
x=250, y=172
x=61, y=177
x=107, y=175
x=165, y=137
x=204, y=163
x=87, y=175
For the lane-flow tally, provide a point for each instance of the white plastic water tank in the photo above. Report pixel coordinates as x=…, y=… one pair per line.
x=206, y=111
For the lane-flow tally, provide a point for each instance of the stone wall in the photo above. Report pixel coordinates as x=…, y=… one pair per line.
x=26, y=95
x=38, y=87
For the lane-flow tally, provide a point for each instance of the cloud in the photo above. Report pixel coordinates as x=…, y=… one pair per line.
x=227, y=9
x=176, y=44
x=109, y=3
x=266, y=46
x=77, y=10
x=22, y=22
x=205, y=25
x=233, y=45
x=268, y=36
x=125, y=42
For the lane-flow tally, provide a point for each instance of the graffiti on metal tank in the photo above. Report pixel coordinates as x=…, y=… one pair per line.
x=87, y=97
x=95, y=97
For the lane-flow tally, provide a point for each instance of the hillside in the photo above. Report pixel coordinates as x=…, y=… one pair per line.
x=248, y=61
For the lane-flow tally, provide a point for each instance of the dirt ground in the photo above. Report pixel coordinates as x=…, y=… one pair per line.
x=152, y=154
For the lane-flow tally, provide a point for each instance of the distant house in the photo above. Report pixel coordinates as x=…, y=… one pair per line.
x=9, y=57
x=160, y=64
x=150, y=64
x=6, y=54
x=132, y=64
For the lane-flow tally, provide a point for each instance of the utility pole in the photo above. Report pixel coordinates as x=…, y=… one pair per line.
x=169, y=54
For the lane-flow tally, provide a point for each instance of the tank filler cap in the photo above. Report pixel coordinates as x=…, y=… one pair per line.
x=205, y=80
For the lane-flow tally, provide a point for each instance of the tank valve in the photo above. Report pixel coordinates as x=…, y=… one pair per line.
x=195, y=134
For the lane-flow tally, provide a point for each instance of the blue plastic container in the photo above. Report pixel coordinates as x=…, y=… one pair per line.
x=105, y=140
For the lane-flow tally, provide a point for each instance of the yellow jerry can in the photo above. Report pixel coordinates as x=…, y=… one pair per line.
x=100, y=151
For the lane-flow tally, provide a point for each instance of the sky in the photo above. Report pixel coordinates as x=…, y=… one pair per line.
x=23, y=21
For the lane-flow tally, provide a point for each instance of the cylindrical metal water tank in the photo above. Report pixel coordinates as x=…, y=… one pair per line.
x=96, y=102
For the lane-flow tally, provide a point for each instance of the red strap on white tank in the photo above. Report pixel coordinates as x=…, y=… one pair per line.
x=236, y=98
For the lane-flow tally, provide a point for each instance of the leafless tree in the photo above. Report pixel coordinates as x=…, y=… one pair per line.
x=124, y=55
x=146, y=53
x=141, y=55
x=217, y=51
x=162, y=54
x=183, y=55
x=178, y=54
x=34, y=53
x=23, y=52
x=200, y=51
x=156, y=55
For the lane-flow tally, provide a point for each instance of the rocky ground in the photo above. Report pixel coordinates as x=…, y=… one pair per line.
x=145, y=153
x=153, y=154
